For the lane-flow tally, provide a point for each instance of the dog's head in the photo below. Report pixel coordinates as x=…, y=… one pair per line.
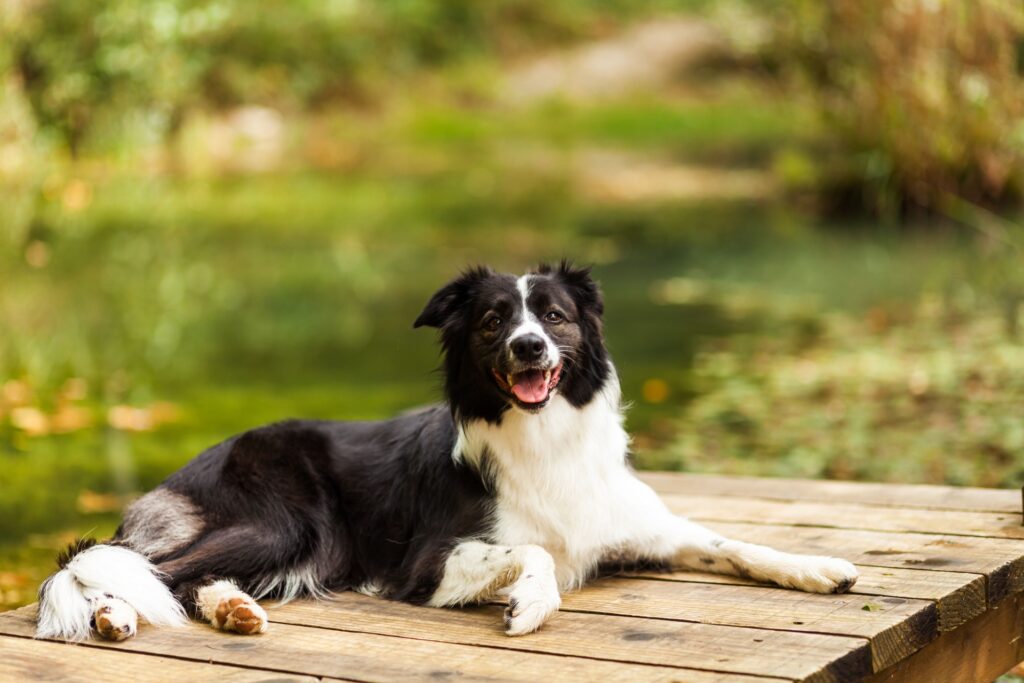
x=517, y=341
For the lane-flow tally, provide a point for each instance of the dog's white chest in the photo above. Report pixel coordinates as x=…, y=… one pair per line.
x=562, y=482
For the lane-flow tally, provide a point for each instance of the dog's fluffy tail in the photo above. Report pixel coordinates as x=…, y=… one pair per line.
x=89, y=571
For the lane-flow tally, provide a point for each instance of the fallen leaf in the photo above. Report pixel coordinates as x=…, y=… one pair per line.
x=30, y=420
x=91, y=501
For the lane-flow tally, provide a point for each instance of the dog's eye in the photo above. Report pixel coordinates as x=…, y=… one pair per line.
x=492, y=324
x=554, y=317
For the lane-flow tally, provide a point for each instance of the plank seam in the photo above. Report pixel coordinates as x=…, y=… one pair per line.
x=807, y=525
x=101, y=646
x=204, y=660
x=567, y=656
x=868, y=640
x=929, y=569
x=935, y=601
x=774, y=587
x=712, y=623
x=828, y=501
x=694, y=477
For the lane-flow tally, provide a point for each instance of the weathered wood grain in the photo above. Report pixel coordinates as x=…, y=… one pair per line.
x=959, y=597
x=896, y=627
x=1001, y=560
x=941, y=597
x=652, y=641
x=370, y=657
x=887, y=495
x=22, y=659
x=848, y=516
x=977, y=652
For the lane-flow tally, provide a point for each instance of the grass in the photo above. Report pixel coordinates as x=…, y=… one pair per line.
x=675, y=125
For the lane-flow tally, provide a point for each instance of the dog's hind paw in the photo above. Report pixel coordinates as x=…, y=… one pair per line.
x=229, y=609
x=241, y=614
x=115, y=619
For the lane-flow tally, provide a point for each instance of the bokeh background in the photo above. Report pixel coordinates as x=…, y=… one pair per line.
x=218, y=213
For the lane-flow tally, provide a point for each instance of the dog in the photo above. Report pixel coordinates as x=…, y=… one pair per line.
x=518, y=485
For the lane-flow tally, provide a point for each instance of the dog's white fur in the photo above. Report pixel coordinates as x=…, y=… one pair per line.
x=561, y=479
x=90, y=578
x=529, y=324
x=477, y=571
x=563, y=485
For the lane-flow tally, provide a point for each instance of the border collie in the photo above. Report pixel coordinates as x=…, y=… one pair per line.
x=518, y=485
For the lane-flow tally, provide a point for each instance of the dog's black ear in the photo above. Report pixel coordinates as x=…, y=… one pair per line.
x=450, y=298
x=584, y=287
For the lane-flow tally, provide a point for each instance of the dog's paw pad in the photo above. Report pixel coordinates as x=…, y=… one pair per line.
x=241, y=615
x=115, y=620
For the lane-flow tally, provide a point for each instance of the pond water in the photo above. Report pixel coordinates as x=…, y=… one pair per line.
x=209, y=308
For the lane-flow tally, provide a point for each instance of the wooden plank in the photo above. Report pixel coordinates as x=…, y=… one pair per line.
x=1000, y=560
x=33, y=660
x=752, y=651
x=887, y=495
x=848, y=516
x=959, y=597
x=370, y=657
x=781, y=654
x=978, y=652
x=896, y=627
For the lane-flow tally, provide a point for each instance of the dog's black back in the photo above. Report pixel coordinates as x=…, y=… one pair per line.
x=347, y=504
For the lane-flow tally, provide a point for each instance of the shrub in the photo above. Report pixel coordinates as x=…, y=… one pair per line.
x=924, y=98
x=122, y=61
x=930, y=395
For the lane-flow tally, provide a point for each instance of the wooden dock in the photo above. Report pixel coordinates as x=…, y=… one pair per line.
x=939, y=599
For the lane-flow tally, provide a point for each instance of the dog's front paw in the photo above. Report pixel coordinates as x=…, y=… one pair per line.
x=816, y=574
x=532, y=602
x=240, y=614
x=115, y=619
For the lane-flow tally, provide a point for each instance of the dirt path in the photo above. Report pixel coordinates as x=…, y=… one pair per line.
x=650, y=56
x=646, y=56
x=615, y=178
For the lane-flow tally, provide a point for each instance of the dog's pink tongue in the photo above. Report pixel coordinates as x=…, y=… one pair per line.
x=530, y=386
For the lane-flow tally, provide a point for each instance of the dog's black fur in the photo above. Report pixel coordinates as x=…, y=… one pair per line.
x=356, y=502
x=380, y=503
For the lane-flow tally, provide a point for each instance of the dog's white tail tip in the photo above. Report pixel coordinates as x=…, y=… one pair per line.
x=65, y=600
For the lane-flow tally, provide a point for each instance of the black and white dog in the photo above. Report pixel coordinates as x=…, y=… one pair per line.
x=519, y=484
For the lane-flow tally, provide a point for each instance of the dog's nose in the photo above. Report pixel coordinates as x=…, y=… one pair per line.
x=528, y=347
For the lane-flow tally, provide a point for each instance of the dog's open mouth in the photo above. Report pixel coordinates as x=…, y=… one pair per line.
x=531, y=388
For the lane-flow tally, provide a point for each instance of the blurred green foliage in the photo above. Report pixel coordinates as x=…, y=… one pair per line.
x=144, y=66
x=922, y=394
x=923, y=99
